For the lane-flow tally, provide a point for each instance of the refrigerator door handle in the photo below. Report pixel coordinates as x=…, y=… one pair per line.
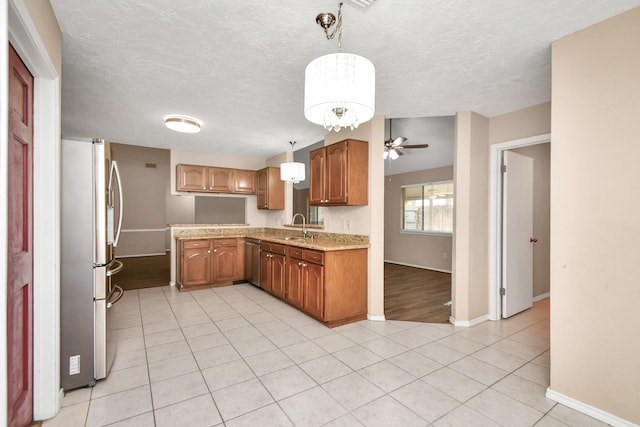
x=119, y=293
x=116, y=269
x=116, y=172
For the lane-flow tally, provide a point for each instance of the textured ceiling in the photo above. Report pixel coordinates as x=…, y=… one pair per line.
x=239, y=66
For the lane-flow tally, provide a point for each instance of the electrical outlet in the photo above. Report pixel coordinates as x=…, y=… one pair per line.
x=74, y=365
x=348, y=224
x=444, y=256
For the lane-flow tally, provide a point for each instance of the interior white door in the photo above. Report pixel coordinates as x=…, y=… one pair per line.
x=517, y=232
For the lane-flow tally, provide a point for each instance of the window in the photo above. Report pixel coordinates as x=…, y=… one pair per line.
x=428, y=207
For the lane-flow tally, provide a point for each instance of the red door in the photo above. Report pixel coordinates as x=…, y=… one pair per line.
x=20, y=243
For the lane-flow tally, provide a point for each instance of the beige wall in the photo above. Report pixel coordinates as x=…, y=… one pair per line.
x=419, y=250
x=144, y=199
x=474, y=135
x=540, y=154
x=469, y=280
x=47, y=25
x=531, y=121
x=595, y=216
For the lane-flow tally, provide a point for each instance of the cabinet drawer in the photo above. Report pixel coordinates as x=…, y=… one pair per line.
x=275, y=248
x=219, y=243
x=295, y=252
x=191, y=244
x=313, y=256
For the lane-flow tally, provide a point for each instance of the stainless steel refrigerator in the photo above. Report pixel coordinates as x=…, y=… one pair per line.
x=91, y=221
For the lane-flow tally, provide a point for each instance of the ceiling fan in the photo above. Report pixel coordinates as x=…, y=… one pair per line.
x=433, y=193
x=392, y=146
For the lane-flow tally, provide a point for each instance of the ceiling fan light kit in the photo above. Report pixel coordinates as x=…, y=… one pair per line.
x=182, y=124
x=340, y=87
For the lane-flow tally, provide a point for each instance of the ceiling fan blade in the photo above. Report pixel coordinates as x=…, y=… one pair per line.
x=415, y=146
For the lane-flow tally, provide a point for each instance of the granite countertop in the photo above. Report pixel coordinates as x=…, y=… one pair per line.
x=320, y=241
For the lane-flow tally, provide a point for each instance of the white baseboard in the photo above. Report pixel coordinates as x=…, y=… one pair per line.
x=376, y=317
x=468, y=323
x=589, y=410
x=139, y=255
x=418, y=266
x=172, y=283
x=541, y=296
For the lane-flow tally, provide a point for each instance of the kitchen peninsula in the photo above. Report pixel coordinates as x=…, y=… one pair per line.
x=323, y=275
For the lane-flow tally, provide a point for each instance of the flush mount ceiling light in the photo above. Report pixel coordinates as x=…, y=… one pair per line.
x=182, y=124
x=339, y=88
x=292, y=172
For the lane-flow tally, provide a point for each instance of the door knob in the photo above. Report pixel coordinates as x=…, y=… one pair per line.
x=533, y=240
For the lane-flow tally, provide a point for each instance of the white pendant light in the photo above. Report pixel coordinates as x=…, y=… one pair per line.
x=339, y=88
x=182, y=124
x=339, y=91
x=293, y=172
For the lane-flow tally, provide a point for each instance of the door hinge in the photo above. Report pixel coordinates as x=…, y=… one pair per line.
x=503, y=291
x=503, y=168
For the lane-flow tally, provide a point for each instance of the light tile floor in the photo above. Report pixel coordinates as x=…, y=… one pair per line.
x=235, y=356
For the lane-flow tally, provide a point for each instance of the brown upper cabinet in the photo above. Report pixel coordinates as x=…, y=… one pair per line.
x=270, y=189
x=209, y=179
x=339, y=174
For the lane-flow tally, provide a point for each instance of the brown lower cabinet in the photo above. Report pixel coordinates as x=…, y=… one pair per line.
x=209, y=262
x=272, y=268
x=330, y=286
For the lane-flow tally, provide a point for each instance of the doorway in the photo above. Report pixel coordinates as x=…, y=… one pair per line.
x=28, y=42
x=532, y=146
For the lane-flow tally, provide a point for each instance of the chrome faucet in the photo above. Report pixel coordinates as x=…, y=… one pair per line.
x=304, y=224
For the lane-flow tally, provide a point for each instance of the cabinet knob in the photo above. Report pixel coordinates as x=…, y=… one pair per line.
x=209, y=251
x=304, y=265
x=210, y=188
x=215, y=250
x=299, y=263
x=204, y=188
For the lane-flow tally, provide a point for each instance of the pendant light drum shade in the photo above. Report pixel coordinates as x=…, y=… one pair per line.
x=293, y=172
x=339, y=91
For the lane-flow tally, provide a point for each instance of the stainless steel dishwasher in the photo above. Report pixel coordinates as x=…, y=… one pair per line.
x=252, y=261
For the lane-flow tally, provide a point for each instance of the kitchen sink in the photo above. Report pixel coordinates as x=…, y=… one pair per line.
x=291, y=238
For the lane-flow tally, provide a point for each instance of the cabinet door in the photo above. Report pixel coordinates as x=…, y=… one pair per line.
x=316, y=176
x=245, y=181
x=313, y=290
x=192, y=178
x=224, y=264
x=262, y=186
x=221, y=180
x=196, y=266
x=294, y=282
x=265, y=271
x=270, y=189
x=278, y=275
x=336, y=173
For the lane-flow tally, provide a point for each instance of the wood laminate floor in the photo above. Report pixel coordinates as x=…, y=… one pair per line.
x=144, y=272
x=416, y=294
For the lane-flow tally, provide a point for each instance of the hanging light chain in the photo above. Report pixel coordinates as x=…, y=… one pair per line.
x=337, y=30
